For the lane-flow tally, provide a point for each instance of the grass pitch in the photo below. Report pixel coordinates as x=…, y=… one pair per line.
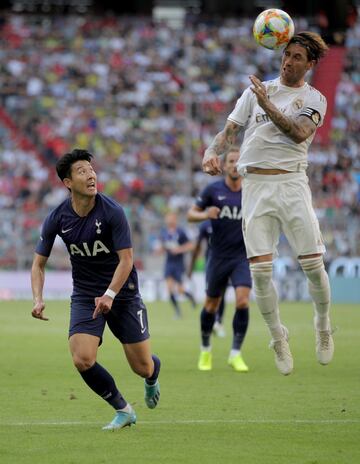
x=48, y=415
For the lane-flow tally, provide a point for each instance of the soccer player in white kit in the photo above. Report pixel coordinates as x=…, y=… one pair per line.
x=279, y=118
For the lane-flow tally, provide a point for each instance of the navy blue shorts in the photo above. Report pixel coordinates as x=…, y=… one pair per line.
x=175, y=271
x=219, y=271
x=127, y=320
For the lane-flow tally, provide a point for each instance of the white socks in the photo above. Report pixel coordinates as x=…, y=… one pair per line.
x=319, y=289
x=127, y=409
x=205, y=348
x=266, y=297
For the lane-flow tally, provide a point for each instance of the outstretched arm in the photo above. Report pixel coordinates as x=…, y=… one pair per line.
x=221, y=143
x=37, y=285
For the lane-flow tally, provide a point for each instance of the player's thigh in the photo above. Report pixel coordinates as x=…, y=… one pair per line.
x=260, y=225
x=299, y=221
x=81, y=318
x=240, y=274
x=217, y=276
x=128, y=321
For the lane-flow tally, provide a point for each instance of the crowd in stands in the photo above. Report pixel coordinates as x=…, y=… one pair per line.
x=146, y=99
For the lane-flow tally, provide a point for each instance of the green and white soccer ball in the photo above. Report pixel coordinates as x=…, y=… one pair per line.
x=273, y=29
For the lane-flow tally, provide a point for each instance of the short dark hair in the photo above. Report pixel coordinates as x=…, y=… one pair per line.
x=63, y=166
x=231, y=149
x=314, y=45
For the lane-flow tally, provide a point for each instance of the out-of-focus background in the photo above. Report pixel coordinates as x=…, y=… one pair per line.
x=145, y=87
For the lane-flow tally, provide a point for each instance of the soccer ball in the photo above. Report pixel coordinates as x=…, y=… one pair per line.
x=273, y=29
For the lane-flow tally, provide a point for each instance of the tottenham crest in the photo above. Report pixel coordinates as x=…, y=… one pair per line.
x=97, y=225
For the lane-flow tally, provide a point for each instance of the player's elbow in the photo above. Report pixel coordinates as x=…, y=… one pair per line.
x=300, y=135
x=299, y=140
x=191, y=217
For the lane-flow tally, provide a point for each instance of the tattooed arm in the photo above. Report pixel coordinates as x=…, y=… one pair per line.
x=297, y=129
x=221, y=143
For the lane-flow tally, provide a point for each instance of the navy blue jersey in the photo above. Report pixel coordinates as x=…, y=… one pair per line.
x=170, y=240
x=227, y=238
x=92, y=242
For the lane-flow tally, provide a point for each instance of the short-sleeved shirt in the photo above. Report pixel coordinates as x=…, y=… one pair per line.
x=171, y=239
x=92, y=242
x=227, y=238
x=264, y=144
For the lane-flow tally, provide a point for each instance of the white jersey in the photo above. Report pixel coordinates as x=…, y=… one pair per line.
x=264, y=145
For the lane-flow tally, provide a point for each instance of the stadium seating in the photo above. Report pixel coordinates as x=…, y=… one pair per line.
x=146, y=105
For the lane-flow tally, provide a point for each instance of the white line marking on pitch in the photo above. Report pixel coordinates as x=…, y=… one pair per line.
x=190, y=422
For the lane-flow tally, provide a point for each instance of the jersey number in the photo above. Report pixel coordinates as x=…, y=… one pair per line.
x=140, y=314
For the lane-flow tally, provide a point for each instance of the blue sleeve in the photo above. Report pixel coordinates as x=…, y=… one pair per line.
x=121, y=235
x=183, y=238
x=47, y=236
x=204, y=199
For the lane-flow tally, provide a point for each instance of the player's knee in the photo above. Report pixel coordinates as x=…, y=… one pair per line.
x=82, y=363
x=211, y=305
x=314, y=269
x=144, y=369
x=242, y=302
x=261, y=274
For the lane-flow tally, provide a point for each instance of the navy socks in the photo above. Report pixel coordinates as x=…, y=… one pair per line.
x=240, y=325
x=207, y=321
x=102, y=383
x=153, y=379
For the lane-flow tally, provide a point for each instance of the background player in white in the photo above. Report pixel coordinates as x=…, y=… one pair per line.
x=105, y=284
x=280, y=118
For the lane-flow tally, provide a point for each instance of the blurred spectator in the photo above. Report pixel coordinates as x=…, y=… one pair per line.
x=145, y=99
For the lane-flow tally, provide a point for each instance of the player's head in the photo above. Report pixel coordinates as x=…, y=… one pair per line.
x=76, y=172
x=229, y=163
x=301, y=54
x=171, y=219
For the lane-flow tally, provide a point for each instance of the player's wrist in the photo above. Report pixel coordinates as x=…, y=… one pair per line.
x=110, y=293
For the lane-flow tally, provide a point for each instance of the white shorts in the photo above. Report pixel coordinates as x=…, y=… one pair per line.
x=275, y=204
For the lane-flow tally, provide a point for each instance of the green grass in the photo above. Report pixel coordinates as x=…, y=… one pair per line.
x=48, y=415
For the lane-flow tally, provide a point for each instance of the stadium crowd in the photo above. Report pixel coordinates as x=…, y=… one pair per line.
x=146, y=99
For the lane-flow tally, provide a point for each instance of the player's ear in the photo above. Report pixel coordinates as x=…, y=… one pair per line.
x=310, y=64
x=67, y=182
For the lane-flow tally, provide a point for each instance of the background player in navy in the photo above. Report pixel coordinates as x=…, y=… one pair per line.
x=175, y=243
x=105, y=284
x=221, y=203
x=204, y=236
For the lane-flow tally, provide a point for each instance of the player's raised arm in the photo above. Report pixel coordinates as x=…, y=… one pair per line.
x=37, y=285
x=297, y=129
x=104, y=303
x=220, y=145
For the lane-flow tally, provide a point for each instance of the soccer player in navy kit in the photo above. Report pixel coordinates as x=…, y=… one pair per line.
x=204, y=235
x=105, y=284
x=221, y=203
x=175, y=243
